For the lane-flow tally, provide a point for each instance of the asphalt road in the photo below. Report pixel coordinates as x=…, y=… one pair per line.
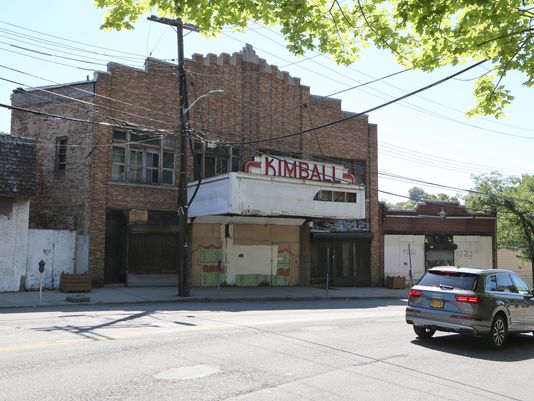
x=329, y=350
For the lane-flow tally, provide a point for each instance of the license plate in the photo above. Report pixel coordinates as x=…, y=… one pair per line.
x=436, y=303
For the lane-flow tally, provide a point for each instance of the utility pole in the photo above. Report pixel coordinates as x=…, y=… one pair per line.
x=182, y=257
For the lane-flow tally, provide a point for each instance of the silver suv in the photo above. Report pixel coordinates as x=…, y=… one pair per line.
x=486, y=303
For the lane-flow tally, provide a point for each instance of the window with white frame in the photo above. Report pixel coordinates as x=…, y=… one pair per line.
x=143, y=159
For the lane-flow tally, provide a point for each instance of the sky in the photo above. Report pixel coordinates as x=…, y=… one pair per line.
x=425, y=141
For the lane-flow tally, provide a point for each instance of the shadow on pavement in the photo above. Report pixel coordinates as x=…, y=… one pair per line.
x=518, y=347
x=216, y=306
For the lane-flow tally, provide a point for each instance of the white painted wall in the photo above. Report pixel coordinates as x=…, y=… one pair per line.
x=250, y=259
x=473, y=251
x=397, y=258
x=61, y=250
x=13, y=244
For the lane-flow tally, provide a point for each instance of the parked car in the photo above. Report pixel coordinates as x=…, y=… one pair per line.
x=486, y=303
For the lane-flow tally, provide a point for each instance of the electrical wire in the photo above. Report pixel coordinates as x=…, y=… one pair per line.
x=89, y=103
x=407, y=105
x=72, y=41
x=352, y=116
x=435, y=160
x=87, y=92
x=399, y=88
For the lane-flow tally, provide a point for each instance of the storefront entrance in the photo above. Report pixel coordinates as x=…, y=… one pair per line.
x=141, y=253
x=346, y=263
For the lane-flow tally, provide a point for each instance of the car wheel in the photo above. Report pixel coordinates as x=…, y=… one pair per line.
x=423, y=332
x=498, y=332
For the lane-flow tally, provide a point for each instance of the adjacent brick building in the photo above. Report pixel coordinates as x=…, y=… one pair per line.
x=110, y=172
x=437, y=233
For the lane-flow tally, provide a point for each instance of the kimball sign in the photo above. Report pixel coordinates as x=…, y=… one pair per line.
x=300, y=169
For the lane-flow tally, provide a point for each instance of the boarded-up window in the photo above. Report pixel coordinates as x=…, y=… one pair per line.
x=61, y=153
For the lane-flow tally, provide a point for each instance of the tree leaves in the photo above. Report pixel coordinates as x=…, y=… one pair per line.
x=513, y=198
x=421, y=34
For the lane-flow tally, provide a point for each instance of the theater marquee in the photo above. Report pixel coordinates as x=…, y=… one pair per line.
x=299, y=169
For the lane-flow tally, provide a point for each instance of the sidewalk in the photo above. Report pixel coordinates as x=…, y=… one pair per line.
x=136, y=295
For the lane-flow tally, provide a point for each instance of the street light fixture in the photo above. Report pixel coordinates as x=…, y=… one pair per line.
x=210, y=93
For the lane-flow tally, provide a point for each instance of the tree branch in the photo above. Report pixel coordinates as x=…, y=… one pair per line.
x=505, y=36
x=379, y=37
x=505, y=67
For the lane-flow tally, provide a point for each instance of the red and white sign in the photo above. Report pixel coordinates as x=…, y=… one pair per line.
x=300, y=169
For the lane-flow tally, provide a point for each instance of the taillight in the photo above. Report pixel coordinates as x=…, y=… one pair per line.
x=468, y=298
x=414, y=293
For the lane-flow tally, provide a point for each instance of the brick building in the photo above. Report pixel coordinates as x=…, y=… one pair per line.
x=437, y=233
x=110, y=173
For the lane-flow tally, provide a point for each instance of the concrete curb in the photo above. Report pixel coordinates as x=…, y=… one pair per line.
x=178, y=300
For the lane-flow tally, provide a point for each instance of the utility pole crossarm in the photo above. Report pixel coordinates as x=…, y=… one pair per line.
x=174, y=22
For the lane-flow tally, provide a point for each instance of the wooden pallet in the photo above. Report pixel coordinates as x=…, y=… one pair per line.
x=395, y=282
x=75, y=282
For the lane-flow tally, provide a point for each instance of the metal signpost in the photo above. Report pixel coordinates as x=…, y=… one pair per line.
x=41, y=271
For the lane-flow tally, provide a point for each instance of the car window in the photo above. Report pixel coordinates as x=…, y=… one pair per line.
x=491, y=283
x=521, y=286
x=463, y=281
x=504, y=283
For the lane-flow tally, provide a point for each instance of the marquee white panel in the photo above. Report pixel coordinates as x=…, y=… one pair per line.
x=263, y=195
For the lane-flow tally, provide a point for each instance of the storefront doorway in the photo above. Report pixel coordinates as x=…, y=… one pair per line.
x=345, y=263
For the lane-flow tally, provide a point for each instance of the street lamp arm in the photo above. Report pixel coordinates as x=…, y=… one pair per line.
x=212, y=92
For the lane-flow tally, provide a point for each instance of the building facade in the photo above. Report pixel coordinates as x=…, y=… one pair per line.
x=435, y=234
x=17, y=187
x=264, y=210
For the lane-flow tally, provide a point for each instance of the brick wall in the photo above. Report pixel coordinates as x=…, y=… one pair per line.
x=259, y=102
x=61, y=200
x=425, y=219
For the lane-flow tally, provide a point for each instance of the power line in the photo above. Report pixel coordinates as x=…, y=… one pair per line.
x=433, y=160
x=72, y=41
x=394, y=86
x=368, y=186
x=284, y=136
x=87, y=92
x=49, y=54
x=70, y=52
x=88, y=103
x=174, y=133
x=403, y=104
x=318, y=98
x=81, y=120
x=48, y=61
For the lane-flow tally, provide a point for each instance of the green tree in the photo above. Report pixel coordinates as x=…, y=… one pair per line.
x=421, y=34
x=417, y=194
x=513, y=198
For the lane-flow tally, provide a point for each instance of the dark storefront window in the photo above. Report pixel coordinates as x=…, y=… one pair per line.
x=335, y=196
x=211, y=161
